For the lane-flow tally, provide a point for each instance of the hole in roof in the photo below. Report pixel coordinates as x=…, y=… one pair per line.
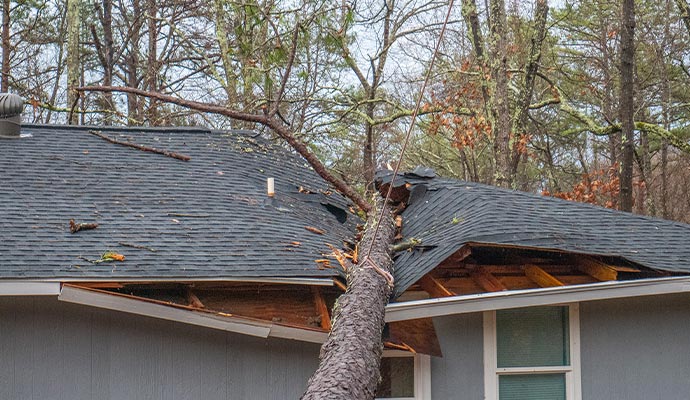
x=338, y=213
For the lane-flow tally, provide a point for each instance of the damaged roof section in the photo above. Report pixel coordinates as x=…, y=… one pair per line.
x=443, y=215
x=205, y=218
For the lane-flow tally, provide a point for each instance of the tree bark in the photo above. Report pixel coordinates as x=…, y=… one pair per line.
x=500, y=110
x=541, y=12
x=152, y=60
x=73, y=67
x=351, y=357
x=106, y=53
x=626, y=102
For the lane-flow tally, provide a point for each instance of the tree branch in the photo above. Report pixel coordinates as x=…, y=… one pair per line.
x=278, y=127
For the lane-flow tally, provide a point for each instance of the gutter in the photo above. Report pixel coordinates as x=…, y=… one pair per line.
x=29, y=288
x=534, y=297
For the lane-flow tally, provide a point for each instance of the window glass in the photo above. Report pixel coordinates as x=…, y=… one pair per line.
x=531, y=387
x=397, y=378
x=532, y=337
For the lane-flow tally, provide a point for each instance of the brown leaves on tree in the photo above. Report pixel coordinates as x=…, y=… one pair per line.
x=600, y=187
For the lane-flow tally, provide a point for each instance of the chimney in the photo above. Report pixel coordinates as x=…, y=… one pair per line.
x=11, y=107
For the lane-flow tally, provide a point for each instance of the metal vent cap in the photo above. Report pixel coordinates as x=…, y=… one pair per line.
x=11, y=107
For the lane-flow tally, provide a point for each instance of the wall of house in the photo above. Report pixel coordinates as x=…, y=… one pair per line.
x=54, y=350
x=636, y=349
x=459, y=374
x=631, y=349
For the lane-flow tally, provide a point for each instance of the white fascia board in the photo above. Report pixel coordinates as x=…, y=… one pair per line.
x=29, y=288
x=133, y=306
x=303, y=335
x=534, y=297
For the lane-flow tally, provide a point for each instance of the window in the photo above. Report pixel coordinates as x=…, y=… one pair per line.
x=404, y=376
x=532, y=353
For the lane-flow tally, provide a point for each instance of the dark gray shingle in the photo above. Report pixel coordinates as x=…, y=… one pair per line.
x=206, y=218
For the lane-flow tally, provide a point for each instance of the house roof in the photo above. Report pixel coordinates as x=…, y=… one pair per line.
x=206, y=218
x=445, y=214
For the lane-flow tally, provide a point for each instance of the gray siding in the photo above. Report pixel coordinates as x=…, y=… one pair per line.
x=58, y=351
x=636, y=349
x=459, y=374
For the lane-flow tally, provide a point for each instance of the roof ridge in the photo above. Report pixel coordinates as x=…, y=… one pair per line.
x=571, y=203
x=137, y=128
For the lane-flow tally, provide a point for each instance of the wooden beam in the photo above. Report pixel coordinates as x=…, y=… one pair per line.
x=596, y=269
x=487, y=281
x=435, y=289
x=321, y=308
x=541, y=277
x=339, y=284
x=192, y=299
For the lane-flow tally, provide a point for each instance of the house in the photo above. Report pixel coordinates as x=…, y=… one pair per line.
x=141, y=263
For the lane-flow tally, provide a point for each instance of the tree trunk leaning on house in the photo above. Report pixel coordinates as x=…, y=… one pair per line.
x=351, y=357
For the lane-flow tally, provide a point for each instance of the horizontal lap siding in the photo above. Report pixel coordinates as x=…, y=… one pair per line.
x=52, y=350
x=459, y=374
x=636, y=349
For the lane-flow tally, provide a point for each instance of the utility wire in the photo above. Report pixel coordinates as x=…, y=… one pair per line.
x=409, y=133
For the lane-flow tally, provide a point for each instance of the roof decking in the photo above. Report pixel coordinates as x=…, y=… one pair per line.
x=208, y=218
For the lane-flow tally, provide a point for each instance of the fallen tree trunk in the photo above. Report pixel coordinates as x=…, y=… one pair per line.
x=351, y=357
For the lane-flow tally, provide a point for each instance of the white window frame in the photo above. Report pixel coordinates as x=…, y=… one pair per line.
x=422, y=374
x=573, y=384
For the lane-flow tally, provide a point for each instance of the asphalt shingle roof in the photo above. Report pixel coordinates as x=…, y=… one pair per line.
x=446, y=214
x=205, y=218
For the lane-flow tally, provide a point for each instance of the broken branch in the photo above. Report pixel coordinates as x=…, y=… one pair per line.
x=166, y=153
x=137, y=246
x=406, y=245
x=75, y=227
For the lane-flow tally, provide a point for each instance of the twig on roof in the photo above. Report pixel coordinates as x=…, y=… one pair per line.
x=315, y=230
x=406, y=245
x=137, y=246
x=189, y=215
x=75, y=227
x=167, y=153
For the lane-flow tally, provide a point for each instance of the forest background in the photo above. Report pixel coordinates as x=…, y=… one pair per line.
x=524, y=94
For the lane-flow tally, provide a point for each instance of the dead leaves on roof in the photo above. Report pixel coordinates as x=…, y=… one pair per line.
x=108, y=256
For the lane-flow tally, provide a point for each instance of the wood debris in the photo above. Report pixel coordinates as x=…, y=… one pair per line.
x=315, y=230
x=137, y=246
x=76, y=227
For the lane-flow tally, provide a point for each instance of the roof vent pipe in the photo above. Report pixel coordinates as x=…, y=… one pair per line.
x=11, y=107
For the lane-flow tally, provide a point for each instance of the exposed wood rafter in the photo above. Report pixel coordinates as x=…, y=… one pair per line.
x=597, y=269
x=487, y=281
x=192, y=298
x=322, y=308
x=541, y=277
x=435, y=288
